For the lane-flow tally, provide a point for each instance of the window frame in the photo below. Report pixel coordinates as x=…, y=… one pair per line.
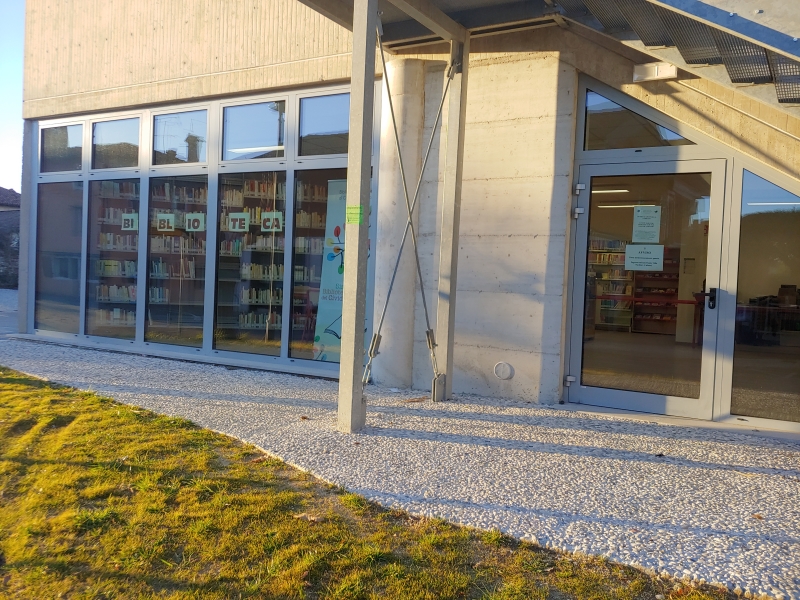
x=119, y=117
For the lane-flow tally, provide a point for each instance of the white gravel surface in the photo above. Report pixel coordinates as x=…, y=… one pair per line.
x=712, y=505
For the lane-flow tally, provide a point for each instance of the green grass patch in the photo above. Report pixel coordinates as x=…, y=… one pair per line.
x=103, y=500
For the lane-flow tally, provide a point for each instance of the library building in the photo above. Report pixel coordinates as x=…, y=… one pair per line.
x=587, y=202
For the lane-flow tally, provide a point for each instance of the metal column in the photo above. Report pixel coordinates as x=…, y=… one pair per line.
x=451, y=217
x=352, y=404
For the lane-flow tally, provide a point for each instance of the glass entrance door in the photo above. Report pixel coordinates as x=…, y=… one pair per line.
x=646, y=274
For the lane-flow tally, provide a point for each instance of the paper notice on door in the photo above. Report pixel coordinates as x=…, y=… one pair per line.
x=644, y=257
x=646, y=224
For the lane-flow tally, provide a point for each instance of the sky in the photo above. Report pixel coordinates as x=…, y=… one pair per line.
x=12, y=30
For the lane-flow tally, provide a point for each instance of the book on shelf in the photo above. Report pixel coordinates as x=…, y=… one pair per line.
x=113, y=216
x=313, y=220
x=115, y=293
x=252, y=320
x=303, y=274
x=114, y=317
x=270, y=272
x=112, y=241
x=309, y=245
x=166, y=244
x=167, y=192
x=158, y=295
x=115, y=268
x=260, y=296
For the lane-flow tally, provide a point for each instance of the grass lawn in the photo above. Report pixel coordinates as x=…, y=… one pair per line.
x=103, y=500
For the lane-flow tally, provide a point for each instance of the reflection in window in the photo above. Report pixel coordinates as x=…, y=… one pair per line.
x=610, y=126
x=254, y=131
x=250, y=271
x=112, y=255
x=176, y=260
x=324, y=125
x=766, y=357
x=62, y=149
x=179, y=138
x=58, y=256
x=115, y=144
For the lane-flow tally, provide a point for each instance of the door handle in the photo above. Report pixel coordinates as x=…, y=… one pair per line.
x=712, y=298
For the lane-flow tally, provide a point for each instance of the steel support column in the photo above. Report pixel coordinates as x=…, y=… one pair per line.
x=451, y=218
x=352, y=404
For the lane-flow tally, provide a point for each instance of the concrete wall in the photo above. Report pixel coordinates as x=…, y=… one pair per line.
x=515, y=203
x=90, y=55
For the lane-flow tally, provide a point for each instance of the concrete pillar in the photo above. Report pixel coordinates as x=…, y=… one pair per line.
x=352, y=413
x=29, y=143
x=406, y=80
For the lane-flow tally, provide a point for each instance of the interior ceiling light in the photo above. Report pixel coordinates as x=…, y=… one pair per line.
x=257, y=149
x=610, y=191
x=622, y=205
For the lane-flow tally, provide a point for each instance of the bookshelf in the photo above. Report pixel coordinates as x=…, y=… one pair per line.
x=176, y=260
x=655, y=305
x=113, y=247
x=250, y=263
x=613, y=285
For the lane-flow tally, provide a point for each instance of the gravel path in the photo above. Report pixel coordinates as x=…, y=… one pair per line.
x=710, y=505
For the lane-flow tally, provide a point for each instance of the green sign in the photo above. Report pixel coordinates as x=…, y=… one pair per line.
x=355, y=215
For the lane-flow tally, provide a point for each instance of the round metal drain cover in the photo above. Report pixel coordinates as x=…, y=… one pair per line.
x=503, y=370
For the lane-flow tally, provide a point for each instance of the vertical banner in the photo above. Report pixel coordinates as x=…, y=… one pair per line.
x=328, y=331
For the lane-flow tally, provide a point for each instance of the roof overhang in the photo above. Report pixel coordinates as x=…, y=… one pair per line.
x=754, y=51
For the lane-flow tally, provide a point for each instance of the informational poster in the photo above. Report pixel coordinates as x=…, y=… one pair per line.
x=644, y=257
x=328, y=332
x=165, y=222
x=646, y=224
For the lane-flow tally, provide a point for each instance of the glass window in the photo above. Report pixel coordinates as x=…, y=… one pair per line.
x=113, y=252
x=646, y=266
x=318, y=264
x=62, y=149
x=324, y=125
x=766, y=355
x=610, y=126
x=58, y=256
x=252, y=218
x=254, y=131
x=176, y=260
x=179, y=138
x=115, y=144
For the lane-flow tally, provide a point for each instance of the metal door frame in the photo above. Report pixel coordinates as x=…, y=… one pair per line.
x=704, y=407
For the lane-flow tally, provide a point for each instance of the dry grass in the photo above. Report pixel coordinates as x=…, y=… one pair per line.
x=102, y=500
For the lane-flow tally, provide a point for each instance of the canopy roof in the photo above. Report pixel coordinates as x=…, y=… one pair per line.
x=728, y=41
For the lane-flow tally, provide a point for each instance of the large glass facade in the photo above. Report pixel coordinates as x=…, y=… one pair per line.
x=176, y=260
x=135, y=266
x=766, y=355
x=58, y=256
x=250, y=262
x=318, y=264
x=113, y=258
